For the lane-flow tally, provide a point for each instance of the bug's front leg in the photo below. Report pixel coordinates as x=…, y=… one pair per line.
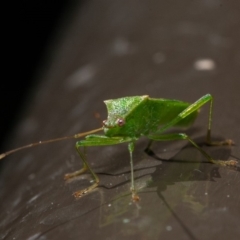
x=91, y=140
x=79, y=172
x=135, y=197
x=85, y=168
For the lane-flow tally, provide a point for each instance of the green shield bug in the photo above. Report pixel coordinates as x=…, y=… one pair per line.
x=130, y=118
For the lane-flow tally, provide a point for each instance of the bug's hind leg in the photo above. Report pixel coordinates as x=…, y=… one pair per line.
x=183, y=136
x=209, y=141
x=226, y=142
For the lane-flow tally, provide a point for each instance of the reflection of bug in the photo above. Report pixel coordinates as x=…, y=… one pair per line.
x=129, y=118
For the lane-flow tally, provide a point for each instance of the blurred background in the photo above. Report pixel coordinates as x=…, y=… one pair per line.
x=35, y=29
x=31, y=28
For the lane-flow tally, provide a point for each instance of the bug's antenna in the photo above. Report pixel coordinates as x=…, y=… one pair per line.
x=78, y=135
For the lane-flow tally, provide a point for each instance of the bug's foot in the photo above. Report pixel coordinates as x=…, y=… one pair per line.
x=230, y=163
x=228, y=142
x=74, y=174
x=67, y=176
x=79, y=194
x=135, y=197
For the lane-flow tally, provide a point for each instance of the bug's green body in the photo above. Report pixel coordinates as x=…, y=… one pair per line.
x=143, y=115
x=129, y=118
x=132, y=117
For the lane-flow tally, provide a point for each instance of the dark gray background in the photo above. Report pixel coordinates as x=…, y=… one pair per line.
x=111, y=49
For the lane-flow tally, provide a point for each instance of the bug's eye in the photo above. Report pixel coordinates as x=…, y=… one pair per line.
x=120, y=122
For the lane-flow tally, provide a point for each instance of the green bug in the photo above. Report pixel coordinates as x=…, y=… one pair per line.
x=130, y=118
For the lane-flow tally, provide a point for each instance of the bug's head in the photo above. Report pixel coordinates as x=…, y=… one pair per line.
x=122, y=119
x=113, y=126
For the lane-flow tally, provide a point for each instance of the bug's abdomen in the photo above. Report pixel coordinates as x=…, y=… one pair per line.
x=167, y=110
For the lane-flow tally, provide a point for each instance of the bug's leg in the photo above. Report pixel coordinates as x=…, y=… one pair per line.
x=85, y=167
x=147, y=149
x=208, y=138
x=79, y=172
x=192, y=108
x=135, y=197
x=92, y=140
x=183, y=136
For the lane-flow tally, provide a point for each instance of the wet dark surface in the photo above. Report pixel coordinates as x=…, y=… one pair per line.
x=114, y=49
